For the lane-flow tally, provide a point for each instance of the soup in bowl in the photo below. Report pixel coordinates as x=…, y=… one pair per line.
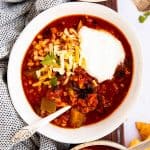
x=60, y=69
x=77, y=54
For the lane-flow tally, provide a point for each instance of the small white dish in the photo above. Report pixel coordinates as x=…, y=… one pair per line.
x=100, y=143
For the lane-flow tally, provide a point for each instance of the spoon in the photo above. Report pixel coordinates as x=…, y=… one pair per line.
x=141, y=146
x=27, y=131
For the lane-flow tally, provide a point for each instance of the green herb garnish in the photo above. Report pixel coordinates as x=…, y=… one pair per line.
x=143, y=17
x=53, y=81
x=58, y=61
x=49, y=59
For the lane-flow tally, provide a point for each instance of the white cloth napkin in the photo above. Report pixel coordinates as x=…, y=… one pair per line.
x=13, y=18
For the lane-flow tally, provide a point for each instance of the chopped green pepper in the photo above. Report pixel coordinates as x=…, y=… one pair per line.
x=48, y=105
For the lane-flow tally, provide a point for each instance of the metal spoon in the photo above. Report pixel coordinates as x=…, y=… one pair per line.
x=27, y=131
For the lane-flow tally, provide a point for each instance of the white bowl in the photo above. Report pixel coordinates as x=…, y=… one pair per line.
x=85, y=133
x=100, y=142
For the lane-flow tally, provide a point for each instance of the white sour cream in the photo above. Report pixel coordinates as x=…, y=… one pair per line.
x=102, y=51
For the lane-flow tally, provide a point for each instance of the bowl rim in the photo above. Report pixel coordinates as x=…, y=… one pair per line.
x=16, y=90
x=110, y=144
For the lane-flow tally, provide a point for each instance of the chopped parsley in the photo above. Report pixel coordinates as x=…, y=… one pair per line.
x=53, y=81
x=49, y=59
x=143, y=17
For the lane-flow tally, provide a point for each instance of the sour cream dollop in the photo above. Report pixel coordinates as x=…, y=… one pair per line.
x=103, y=52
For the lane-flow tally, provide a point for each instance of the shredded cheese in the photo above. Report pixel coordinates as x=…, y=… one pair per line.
x=65, y=56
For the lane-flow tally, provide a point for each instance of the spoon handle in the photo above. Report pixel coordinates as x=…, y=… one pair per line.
x=46, y=120
x=27, y=131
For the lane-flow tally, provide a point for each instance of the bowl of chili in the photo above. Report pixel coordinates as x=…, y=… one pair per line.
x=47, y=70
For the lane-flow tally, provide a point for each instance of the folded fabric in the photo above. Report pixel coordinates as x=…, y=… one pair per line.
x=13, y=18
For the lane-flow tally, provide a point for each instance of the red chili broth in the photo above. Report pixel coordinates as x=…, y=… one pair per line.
x=119, y=77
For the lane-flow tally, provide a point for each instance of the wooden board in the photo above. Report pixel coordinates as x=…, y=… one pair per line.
x=110, y=3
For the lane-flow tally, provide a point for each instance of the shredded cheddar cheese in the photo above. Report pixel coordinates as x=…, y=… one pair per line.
x=62, y=55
